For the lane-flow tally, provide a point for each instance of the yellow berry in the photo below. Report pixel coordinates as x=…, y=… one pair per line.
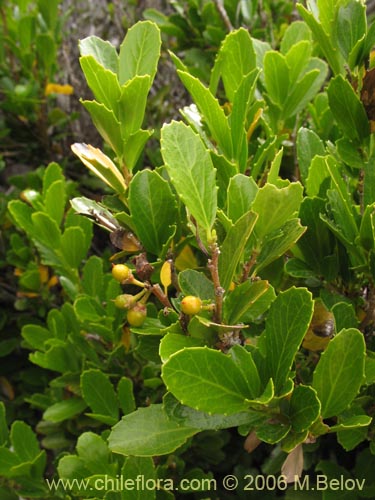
x=137, y=315
x=121, y=272
x=124, y=301
x=191, y=305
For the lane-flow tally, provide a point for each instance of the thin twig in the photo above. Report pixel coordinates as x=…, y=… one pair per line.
x=213, y=266
x=223, y=14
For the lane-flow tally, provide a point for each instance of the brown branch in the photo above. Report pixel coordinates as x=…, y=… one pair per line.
x=213, y=266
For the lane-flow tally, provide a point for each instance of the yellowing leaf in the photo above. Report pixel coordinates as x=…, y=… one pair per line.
x=186, y=259
x=102, y=166
x=166, y=275
x=55, y=88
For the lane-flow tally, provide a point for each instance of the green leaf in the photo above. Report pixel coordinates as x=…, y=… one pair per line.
x=174, y=342
x=240, y=195
x=92, y=279
x=248, y=301
x=306, y=88
x=107, y=124
x=93, y=450
x=139, y=52
x=148, y=432
x=188, y=417
x=102, y=51
x=24, y=441
x=233, y=247
x=309, y=145
x=99, y=394
x=47, y=230
x=211, y=111
x=340, y=372
x=135, y=467
x=73, y=246
x=244, y=361
x=347, y=109
x=287, y=322
x=132, y=104
x=276, y=74
x=133, y=146
x=345, y=316
x=278, y=242
x=351, y=26
x=46, y=51
x=304, y=408
x=64, y=410
x=275, y=206
x=190, y=168
x=3, y=425
x=237, y=59
x=153, y=210
x=54, y=200
x=295, y=32
x=102, y=82
x=36, y=335
x=125, y=395
x=196, y=283
x=206, y=380
x=369, y=182
x=272, y=431
x=332, y=55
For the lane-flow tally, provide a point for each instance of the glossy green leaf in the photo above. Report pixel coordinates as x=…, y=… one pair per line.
x=304, y=408
x=348, y=109
x=55, y=200
x=135, y=467
x=133, y=146
x=309, y=145
x=275, y=206
x=211, y=111
x=148, y=432
x=99, y=393
x=189, y=417
x=287, y=322
x=206, y=380
x=125, y=395
x=369, y=182
x=102, y=51
x=340, y=372
x=332, y=55
x=93, y=450
x=173, y=342
x=132, y=104
x=196, y=283
x=351, y=26
x=278, y=242
x=295, y=32
x=272, y=431
x=237, y=59
x=102, y=82
x=92, y=279
x=47, y=230
x=248, y=301
x=240, y=195
x=139, y=52
x=107, y=124
x=233, y=247
x=191, y=171
x=24, y=441
x=276, y=74
x=64, y=410
x=73, y=245
x=345, y=316
x=244, y=361
x=153, y=210
x=3, y=425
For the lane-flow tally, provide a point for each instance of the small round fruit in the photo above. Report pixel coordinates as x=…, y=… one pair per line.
x=191, y=305
x=136, y=315
x=124, y=301
x=121, y=272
